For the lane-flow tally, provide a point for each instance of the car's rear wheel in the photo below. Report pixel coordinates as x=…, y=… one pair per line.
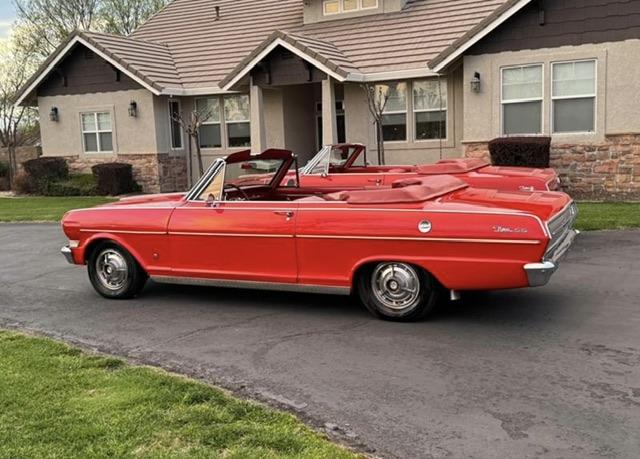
x=398, y=291
x=114, y=273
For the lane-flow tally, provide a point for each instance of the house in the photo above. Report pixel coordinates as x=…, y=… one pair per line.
x=289, y=73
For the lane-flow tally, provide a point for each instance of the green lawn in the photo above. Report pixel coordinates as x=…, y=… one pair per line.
x=608, y=215
x=56, y=401
x=40, y=209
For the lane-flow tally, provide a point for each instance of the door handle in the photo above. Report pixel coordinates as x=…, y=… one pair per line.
x=376, y=181
x=284, y=213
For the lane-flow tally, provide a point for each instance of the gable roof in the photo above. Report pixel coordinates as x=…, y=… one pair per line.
x=477, y=33
x=149, y=64
x=323, y=54
x=186, y=50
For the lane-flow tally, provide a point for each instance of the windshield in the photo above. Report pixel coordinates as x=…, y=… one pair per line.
x=330, y=156
x=222, y=177
x=255, y=172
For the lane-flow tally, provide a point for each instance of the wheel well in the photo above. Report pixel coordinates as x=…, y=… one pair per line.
x=362, y=269
x=88, y=252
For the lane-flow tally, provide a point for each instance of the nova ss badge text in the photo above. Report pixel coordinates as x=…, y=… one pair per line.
x=508, y=229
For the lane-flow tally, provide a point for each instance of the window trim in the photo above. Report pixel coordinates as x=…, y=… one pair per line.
x=341, y=9
x=583, y=96
x=97, y=132
x=212, y=123
x=540, y=99
x=228, y=122
x=445, y=109
x=405, y=112
x=171, y=121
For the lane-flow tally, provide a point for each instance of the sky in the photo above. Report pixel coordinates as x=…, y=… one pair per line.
x=7, y=16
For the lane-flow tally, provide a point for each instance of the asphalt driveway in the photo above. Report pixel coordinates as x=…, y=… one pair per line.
x=550, y=372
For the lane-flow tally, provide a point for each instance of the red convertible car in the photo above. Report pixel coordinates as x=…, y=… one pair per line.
x=398, y=247
x=344, y=166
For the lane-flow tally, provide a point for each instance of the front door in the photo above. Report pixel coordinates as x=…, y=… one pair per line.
x=243, y=240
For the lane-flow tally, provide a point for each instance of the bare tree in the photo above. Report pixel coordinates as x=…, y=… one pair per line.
x=191, y=124
x=122, y=17
x=49, y=22
x=377, y=99
x=17, y=124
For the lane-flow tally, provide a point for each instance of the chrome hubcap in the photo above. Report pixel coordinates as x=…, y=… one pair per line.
x=112, y=269
x=396, y=285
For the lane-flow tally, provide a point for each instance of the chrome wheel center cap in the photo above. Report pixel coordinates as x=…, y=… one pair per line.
x=396, y=285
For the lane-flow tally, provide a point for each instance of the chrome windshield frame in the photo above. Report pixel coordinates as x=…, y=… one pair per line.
x=323, y=154
x=205, y=180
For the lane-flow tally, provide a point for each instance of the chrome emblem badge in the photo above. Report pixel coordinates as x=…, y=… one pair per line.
x=508, y=229
x=424, y=226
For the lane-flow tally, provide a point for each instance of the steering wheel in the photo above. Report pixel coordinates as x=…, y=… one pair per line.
x=236, y=187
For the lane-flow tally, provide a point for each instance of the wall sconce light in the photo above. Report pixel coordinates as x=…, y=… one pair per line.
x=476, y=83
x=133, y=109
x=54, y=114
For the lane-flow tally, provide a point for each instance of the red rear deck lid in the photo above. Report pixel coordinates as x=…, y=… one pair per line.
x=452, y=166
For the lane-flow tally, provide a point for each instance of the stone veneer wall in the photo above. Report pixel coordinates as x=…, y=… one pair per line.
x=155, y=173
x=608, y=170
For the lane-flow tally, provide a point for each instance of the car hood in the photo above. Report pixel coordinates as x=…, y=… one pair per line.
x=543, y=204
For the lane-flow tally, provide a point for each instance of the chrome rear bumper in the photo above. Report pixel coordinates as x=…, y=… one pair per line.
x=68, y=255
x=539, y=274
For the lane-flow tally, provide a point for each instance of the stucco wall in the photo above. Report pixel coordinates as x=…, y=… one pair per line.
x=618, y=90
x=130, y=135
x=360, y=128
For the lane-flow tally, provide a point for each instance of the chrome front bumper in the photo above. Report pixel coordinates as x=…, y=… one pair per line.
x=539, y=274
x=68, y=255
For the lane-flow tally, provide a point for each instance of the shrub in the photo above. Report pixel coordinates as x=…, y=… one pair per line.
x=4, y=176
x=520, y=151
x=4, y=169
x=42, y=172
x=75, y=185
x=114, y=179
x=47, y=169
x=24, y=184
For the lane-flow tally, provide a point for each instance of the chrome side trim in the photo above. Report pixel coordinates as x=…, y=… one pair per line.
x=254, y=285
x=423, y=239
x=68, y=255
x=155, y=233
x=186, y=233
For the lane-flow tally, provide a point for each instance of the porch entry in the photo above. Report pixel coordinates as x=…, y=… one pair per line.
x=340, y=122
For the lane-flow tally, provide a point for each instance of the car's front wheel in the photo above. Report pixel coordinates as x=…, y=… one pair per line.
x=398, y=291
x=114, y=273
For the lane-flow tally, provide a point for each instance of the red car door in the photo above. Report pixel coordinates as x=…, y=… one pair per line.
x=236, y=240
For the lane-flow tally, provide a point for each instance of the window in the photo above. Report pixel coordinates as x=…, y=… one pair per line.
x=210, y=133
x=331, y=6
x=522, y=100
x=176, y=128
x=347, y=6
x=394, y=120
x=237, y=116
x=97, y=133
x=430, y=109
x=574, y=96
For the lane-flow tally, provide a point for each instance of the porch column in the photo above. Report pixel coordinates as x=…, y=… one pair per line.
x=258, y=130
x=329, y=118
